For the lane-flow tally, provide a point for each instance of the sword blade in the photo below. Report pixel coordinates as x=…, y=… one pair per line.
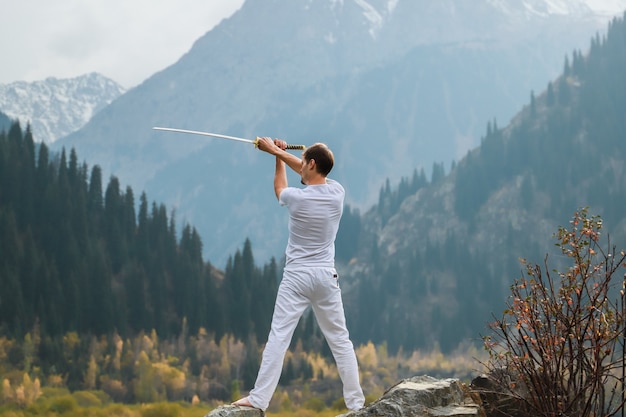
x=196, y=132
x=217, y=135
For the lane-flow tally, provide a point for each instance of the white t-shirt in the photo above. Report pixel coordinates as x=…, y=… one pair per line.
x=314, y=214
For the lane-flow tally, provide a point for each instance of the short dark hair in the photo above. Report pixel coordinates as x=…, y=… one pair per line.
x=323, y=156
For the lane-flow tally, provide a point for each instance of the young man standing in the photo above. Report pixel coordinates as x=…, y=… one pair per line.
x=309, y=277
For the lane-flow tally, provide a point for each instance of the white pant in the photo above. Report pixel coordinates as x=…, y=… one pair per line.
x=298, y=289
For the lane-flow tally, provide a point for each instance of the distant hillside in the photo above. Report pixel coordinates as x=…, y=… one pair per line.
x=432, y=265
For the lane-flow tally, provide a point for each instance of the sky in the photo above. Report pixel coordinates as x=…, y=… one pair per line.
x=125, y=40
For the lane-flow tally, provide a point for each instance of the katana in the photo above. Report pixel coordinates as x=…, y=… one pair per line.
x=255, y=142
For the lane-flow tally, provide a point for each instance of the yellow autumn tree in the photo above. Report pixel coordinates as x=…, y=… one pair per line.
x=27, y=392
x=6, y=394
x=91, y=374
x=169, y=380
x=368, y=357
x=144, y=388
x=117, y=357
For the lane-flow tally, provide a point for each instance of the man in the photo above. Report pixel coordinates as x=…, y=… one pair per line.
x=309, y=277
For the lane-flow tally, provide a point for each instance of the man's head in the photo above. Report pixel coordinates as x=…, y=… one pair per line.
x=322, y=156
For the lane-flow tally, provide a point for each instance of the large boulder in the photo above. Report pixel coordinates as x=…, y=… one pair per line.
x=423, y=396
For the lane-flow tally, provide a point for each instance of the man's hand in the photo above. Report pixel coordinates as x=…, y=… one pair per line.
x=280, y=143
x=278, y=148
x=270, y=145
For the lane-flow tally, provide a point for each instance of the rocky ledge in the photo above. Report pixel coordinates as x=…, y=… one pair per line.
x=420, y=396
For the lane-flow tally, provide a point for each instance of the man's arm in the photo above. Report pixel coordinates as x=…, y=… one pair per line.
x=290, y=159
x=277, y=147
x=280, y=177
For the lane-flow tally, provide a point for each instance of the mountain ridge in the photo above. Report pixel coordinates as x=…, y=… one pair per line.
x=392, y=99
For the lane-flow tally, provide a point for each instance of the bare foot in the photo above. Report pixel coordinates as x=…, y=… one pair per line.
x=244, y=402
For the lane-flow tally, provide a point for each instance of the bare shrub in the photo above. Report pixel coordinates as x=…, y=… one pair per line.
x=558, y=349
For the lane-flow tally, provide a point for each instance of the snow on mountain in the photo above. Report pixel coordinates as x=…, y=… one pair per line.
x=372, y=15
x=57, y=107
x=545, y=8
x=378, y=15
x=607, y=7
x=555, y=7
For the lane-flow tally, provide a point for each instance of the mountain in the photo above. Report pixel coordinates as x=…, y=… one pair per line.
x=439, y=259
x=57, y=107
x=389, y=85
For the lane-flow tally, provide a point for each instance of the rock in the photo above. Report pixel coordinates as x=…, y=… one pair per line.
x=423, y=396
x=235, y=411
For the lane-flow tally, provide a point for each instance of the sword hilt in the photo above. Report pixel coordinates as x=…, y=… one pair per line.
x=288, y=147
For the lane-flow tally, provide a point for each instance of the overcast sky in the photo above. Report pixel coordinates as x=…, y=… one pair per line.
x=125, y=40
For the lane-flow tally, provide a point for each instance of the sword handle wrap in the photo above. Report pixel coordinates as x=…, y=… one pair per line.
x=288, y=147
